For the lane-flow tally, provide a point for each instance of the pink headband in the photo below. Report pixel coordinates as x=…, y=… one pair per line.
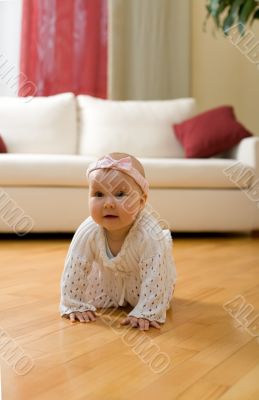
x=124, y=165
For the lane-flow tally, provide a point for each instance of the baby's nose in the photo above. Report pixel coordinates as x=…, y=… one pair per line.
x=109, y=202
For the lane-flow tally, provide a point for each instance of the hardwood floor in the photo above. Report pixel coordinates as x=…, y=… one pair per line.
x=207, y=350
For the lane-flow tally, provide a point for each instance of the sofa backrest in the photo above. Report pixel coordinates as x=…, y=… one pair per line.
x=142, y=128
x=41, y=125
x=69, y=124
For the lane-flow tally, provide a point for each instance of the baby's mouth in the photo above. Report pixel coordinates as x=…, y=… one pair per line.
x=110, y=216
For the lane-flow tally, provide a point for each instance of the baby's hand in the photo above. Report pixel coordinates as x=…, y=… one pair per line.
x=141, y=323
x=86, y=316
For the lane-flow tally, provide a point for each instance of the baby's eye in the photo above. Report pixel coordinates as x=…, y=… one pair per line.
x=98, y=194
x=120, y=193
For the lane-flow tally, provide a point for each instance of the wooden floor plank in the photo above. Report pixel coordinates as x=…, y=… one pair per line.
x=246, y=388
x=209, y=353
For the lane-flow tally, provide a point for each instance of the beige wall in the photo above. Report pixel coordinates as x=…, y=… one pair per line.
x=221, y=74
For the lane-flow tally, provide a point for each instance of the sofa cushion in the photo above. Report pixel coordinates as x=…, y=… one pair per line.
x=70, y=171
x=3, y=148
x=43, y=170
x=41, y=125
x=210, y=132
x=141, y=128
x=197, y=173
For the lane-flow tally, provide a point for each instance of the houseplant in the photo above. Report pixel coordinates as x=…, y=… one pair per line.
x=228, y=13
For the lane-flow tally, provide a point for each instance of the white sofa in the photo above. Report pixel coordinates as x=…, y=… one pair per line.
x=52, y=140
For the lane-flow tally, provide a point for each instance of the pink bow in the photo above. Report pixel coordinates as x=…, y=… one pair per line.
x=108, y=162
x=124, y=164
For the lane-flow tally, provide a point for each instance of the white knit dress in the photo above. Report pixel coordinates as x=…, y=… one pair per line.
x=142, y=274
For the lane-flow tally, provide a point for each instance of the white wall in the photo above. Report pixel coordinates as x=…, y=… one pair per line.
x=10, y=34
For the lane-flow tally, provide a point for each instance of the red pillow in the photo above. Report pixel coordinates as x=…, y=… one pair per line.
x=3, y=148
x=210, y=132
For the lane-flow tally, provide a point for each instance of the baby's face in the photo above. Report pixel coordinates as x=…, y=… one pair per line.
x=115, y=199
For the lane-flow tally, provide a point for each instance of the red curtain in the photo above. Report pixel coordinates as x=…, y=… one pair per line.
x=64, y=47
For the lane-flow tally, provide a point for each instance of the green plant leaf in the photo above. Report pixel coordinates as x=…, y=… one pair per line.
x=214, y=6
x=247, y=10
x=232, y=15
x=236, y=6
x=222, y=7
x=256, y=14
x=228, y=22
x=226, y=13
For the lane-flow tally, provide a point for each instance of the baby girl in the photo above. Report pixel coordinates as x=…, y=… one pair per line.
x=119, y=255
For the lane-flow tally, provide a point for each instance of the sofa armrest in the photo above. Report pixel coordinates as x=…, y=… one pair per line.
x=247, y=152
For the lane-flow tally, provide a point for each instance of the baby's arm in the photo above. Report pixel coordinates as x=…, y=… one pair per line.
x=74, y=303
x=155, y=291
x=158, y=276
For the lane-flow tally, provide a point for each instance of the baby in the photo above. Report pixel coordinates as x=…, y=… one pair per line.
x=119, y=255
